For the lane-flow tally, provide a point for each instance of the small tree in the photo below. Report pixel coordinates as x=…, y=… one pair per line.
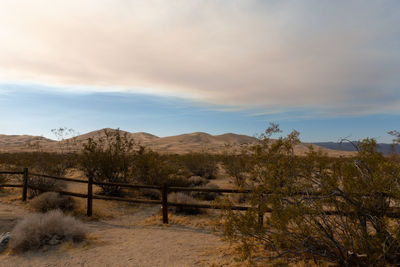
x=109, y=158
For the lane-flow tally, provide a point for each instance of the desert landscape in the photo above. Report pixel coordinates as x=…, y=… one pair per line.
x=210, y=182
x=180, y=133
x=179, y=144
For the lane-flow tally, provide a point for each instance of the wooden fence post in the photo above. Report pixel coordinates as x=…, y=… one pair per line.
x=164, y=197
x=25, y=184
x=260, y=217
x=89, y=196
x=260, y=220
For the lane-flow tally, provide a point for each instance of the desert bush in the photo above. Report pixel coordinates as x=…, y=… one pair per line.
x=42, y=184
x=179, y=197
x=177, y=180
x=151, y=193
x=54, y=164
x=109, y=159
x=200, y=164
x=238, y=166
x=3, y=179
x=37, y=230
x=197, y=181
x=51, y=201
x=359, y=190
x=207, y=195
x=151, y=168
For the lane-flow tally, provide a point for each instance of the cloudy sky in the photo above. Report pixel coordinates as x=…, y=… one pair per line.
x=329, y=69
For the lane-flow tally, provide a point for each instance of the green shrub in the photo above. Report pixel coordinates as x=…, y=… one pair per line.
x=109, y=158
x=51, y=201
x=303, y=191
x=37, y=230
x=200, y=164
x=238, y=167
x=151, y=168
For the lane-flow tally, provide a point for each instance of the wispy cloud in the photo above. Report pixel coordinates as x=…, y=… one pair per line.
x=336, y=57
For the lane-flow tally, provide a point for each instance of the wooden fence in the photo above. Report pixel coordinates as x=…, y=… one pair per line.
x=164, y=190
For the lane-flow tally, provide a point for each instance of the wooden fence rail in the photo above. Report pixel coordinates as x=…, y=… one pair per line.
x=164, y=190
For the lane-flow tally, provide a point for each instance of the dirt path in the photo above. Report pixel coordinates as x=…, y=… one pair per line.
x=124, y=241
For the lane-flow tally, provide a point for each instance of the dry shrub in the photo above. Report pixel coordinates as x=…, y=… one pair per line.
x=52, y=201
x=51, y=228
x=207, y=195
x=153, y=194
x=177, y=180
x=197, y=181
x=3, y=178
x=178, y=197
x=43, y=184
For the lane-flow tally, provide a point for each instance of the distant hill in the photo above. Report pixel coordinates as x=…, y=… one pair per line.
x=385, y=149
x=179, y=144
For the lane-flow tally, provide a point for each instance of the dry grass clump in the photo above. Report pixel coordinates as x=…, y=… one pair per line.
x=197, y=181
x=3, y=179
x=51, y=228
x=153, y=194
x=52, y=201
x=39, y=185
x=178, y=197
x=208, y=196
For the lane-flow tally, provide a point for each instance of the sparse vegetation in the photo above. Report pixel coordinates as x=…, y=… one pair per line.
x=51, y=201
x=325, y=209
x=51, y=228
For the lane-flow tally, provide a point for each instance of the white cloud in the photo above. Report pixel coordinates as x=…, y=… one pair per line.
x=336, y=56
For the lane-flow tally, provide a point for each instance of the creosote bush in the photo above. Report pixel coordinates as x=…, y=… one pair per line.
x=151, y=168
x=51, y=228
x=336, y=210
x=109, y=159
x=52, y=201
x=199, y=164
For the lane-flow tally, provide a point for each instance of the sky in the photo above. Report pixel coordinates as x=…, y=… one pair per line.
x=329, y=69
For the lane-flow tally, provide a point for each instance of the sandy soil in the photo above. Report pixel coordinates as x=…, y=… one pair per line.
x=128, y=240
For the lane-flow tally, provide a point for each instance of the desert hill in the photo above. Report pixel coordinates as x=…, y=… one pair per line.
x=180, y=144
x=385, y=149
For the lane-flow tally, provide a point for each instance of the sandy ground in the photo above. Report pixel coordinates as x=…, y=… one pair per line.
x=128, y=240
